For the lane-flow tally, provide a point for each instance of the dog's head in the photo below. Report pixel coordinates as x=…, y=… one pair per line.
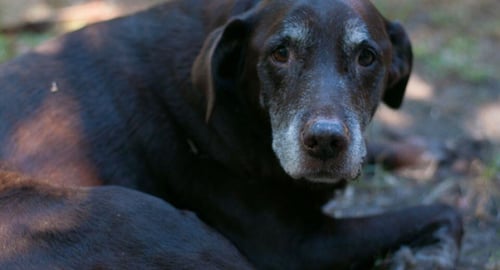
x=319, y=70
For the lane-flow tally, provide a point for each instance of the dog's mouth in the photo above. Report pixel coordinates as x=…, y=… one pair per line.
x=328, y=172
x=342, y=167
x=323, y=177
x=320, y=149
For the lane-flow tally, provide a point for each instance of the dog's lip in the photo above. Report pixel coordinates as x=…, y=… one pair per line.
x=327, y=176
x=322, y=176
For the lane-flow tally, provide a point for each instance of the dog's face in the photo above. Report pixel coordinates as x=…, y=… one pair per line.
x=322, y=67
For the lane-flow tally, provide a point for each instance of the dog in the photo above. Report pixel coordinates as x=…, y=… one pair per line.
x=248, y=113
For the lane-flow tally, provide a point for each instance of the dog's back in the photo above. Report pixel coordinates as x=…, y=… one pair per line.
x=91, y=103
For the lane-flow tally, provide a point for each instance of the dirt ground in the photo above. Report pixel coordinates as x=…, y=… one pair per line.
x=452, y=108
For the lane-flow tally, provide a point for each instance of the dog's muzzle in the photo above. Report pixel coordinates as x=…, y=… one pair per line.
x=320, y=149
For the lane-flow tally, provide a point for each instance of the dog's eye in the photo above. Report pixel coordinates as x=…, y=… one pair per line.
x=281, y=54
x=366, y=57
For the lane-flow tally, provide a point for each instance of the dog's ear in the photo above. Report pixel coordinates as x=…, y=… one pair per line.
x=400, y=69
x=220, y=61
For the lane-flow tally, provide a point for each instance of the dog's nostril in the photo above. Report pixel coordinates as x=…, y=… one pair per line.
x=310, y=142
x=325, y=138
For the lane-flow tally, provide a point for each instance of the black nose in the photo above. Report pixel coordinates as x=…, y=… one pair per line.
x=325, y=138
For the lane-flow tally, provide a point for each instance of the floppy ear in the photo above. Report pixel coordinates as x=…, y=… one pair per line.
x=402, y=59
x=220, y=62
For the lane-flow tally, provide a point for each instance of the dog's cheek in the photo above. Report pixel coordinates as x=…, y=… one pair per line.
x=264, y=98
x=285, y=136
x=357, y=149
x=371, y=94
x=271, y=83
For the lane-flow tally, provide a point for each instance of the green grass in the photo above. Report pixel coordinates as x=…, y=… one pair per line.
x=494, y=261
x=5, y=48
x=12, y=45
x=458, y=56
x=492, y=170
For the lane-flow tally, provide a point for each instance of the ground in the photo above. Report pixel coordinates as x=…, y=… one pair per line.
x=452, y=108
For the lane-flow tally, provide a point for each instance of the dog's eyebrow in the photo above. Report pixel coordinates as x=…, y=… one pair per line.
x=297, y=30
x=355, y=32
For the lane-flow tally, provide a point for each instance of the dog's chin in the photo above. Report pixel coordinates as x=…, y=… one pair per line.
x=327, y=172
x=325, y=177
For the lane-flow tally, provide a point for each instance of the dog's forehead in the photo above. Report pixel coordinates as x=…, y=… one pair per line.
x=344, y=19
x=348, y=21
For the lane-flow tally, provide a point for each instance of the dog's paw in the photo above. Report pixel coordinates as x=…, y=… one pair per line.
x=442, y=255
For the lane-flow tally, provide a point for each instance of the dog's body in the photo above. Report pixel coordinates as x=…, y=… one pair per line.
x=249, y=114
x=45, y=227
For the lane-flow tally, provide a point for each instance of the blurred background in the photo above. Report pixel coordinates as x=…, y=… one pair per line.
x=451, y=113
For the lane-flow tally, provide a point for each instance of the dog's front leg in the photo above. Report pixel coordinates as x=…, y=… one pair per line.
x=355, y=243
x=282, y=226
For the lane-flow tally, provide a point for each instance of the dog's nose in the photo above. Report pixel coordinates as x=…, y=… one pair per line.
x=325, y=138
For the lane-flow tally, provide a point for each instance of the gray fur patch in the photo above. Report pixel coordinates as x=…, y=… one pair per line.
x=355, y=32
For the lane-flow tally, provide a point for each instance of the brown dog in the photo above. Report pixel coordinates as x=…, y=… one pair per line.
x=249, y=113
